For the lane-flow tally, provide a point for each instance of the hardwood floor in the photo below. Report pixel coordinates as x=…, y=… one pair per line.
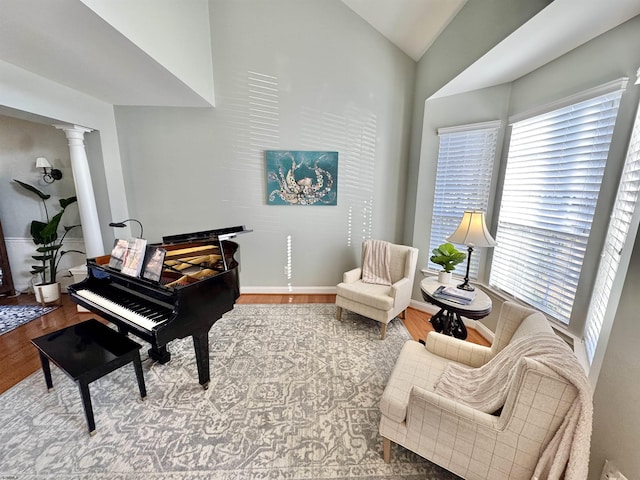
x=19, y=359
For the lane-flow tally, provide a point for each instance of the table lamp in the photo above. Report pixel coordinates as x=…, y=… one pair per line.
x=471, y=232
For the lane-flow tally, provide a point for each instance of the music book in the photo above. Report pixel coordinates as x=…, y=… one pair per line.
x=153, y=263
x=118, y=252
x=134, y=257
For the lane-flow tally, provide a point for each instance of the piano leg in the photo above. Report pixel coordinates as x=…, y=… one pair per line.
x=159, y=354
x=201, y=346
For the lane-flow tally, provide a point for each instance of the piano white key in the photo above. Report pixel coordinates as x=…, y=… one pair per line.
x=118, y=309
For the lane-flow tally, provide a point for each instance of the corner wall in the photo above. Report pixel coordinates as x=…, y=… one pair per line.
x=26, y=95
x=290, y=75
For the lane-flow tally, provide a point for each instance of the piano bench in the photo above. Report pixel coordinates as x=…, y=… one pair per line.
x=86, y=352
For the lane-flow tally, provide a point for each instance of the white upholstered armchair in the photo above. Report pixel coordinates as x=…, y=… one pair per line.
x=526, y=437
x=378, y=301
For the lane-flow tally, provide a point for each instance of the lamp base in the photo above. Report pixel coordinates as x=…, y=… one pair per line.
x=466, y=286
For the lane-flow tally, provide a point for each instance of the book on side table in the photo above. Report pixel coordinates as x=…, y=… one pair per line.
x=453, y=294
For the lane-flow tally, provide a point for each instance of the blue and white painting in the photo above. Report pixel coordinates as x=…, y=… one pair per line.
x=302, y=177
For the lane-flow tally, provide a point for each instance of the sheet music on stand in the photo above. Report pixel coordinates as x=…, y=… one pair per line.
x=153, y=263
x=130, y=262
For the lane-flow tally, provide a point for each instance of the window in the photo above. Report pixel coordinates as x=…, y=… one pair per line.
x=620, y=224
x=463, y=179
x=552, y=180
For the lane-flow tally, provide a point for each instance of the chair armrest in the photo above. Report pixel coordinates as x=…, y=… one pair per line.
x=400, y=286
x=424, y=405
x=352, y=275
x=401, y=292
x=457, y=350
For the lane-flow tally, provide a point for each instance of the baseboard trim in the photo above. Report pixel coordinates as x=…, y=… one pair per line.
x=285, y=290
x=479, y=327
x=421, y=306
x=20, y=250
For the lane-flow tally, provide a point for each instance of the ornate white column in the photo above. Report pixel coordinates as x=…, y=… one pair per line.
x=84, y=189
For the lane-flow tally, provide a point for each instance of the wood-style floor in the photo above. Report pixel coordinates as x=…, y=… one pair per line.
x=19, y=359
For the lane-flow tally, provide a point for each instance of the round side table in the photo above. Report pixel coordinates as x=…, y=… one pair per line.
x=448, y=320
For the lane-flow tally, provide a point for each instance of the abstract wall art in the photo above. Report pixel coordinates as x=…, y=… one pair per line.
x=302, y=177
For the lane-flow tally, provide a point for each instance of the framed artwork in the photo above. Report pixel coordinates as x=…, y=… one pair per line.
x=302, y=177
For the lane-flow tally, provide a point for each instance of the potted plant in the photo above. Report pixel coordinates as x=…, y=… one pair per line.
x=45, y=235
x=447, y=256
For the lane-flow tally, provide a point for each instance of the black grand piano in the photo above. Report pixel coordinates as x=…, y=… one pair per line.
x=198, y=284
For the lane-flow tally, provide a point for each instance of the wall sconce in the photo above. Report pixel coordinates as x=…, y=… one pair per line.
x=48, y=176
x=122, y=224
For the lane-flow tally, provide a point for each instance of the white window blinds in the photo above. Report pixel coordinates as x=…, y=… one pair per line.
x=463, y=181
x=620, y=223
x=554, y=169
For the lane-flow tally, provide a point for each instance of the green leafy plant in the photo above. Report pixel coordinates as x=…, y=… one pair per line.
x=45, y=235
x=447, y=256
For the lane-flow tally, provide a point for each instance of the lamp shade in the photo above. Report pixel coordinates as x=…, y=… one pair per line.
x=472, y=231
x=42, y=162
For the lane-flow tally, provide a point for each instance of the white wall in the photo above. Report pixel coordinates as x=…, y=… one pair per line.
x=486, y=105
x=299, y=75
x=616, y=425
x=22, y=141
x=30, y=96
x=478, y=27
x=175, y=34
x=613, y=55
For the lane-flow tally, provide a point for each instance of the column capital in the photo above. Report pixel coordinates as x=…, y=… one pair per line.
x=74, y=131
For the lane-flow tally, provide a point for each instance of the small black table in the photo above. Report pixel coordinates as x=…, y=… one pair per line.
x=86, y=352
x=448, y=320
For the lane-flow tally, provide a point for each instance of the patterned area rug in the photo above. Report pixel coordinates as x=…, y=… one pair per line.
x=293, y=395
x=12, y=316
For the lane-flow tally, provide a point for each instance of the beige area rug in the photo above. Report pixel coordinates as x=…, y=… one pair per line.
x=294, y=394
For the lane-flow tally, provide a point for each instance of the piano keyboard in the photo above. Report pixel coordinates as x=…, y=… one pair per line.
x=145, y=317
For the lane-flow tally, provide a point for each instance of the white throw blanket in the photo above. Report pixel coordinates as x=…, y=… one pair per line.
x=485, y=388
x=376, y=262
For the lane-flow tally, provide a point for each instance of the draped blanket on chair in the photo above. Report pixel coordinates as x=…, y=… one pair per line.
x=485, y=388
x=376, y=262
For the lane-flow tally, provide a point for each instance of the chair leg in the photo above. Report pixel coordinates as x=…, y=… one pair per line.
x=339, y=313
x=402, y=314
x=386, y=449
x=383, y=331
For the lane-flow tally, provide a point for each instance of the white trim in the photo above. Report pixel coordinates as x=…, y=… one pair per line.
x=613, y=86
x=20, y=250
x=479, y=327
x=283, y=290
x=493, y=124
x=580, y=351
x=483, y=330
x=424, y=307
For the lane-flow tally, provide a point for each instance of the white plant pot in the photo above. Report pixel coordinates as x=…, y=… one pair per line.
x=444, y=277
x=48, y=293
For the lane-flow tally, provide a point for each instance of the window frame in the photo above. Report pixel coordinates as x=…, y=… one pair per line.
x=599, y=318
x=444, y=222
x=611, y=87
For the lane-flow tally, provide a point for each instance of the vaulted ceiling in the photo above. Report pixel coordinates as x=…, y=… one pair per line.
x=60, y=40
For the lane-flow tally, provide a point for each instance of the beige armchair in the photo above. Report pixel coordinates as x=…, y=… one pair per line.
x=382, y=303
x=512, y=442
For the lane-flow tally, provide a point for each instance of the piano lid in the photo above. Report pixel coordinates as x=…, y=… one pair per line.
x=207, y=235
